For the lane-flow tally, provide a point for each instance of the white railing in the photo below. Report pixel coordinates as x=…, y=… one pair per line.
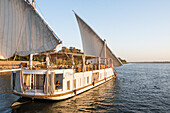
x=1, y=71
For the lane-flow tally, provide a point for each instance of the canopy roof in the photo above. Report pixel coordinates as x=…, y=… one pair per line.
x=93, y=44
x=23, y=30
x=64, y=54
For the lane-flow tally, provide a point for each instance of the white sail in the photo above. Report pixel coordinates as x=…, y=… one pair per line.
x=93, y=44
x=23, y=31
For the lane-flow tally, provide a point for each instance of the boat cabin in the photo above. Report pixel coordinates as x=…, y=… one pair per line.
x=61, y=73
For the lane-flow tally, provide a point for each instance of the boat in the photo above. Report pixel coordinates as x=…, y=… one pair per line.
x=48, y=79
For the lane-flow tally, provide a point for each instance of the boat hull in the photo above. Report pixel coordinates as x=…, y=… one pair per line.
x=67, y=94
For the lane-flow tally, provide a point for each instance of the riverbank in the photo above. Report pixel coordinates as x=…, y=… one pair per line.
x=12, y=64
x=5, y=73
x=151, y=62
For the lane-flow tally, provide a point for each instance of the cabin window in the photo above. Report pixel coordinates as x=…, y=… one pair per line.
x=27, y=79
x=68, y=85
x=95, y=77
x=87, y=80
x=74, y=83
x=14, y=76
x=58, y=82
x=32, y=81
x=39, y=81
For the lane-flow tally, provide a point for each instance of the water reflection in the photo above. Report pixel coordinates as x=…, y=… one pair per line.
x=6, y=96
x=138, y=88
x=98, y=99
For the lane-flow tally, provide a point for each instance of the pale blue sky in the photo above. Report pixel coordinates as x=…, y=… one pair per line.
x=136, y=30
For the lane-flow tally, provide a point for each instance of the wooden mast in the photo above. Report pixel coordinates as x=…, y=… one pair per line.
x=33, y=3
x=31, y=55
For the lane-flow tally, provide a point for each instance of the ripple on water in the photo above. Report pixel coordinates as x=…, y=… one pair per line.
x=139, y=88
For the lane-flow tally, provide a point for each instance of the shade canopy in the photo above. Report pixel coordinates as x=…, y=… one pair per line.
x=93, y=44
x=23, y=30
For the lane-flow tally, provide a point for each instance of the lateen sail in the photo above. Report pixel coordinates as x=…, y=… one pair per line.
x=93, y=44
x=23, y=31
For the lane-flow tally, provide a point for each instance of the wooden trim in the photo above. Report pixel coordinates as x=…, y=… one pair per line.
x=57, y=95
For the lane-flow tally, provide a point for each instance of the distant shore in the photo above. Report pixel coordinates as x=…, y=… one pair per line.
x=12, y=64
x=151, y=62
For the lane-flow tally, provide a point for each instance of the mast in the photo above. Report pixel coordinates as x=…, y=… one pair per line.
x=30, y=62
x=31, y=55
x=33, y=3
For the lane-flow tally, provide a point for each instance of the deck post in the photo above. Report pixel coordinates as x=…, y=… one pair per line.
x=35, y=83
x=30, y=61
x=62, y=61
x=112, y=63
x=56, y=60
x=108, y=62
x=72, y=61
x=83, y=63
x=98, y=63
x=47, y=61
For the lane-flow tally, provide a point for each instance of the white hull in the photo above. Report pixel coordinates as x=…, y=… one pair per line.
x=81, y=85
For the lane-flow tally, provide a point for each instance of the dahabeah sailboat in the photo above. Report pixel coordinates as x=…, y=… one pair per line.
x=23, y=31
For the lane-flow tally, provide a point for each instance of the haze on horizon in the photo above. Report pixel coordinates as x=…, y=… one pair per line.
x=134, y=30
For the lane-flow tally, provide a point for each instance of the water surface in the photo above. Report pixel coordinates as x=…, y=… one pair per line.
x=138, y=88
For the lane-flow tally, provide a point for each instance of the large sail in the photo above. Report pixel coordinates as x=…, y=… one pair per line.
x=23, y=31
x=93, y=44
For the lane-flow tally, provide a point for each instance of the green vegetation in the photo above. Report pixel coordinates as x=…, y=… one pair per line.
x=123, y=61
x=59, y=61
x=71, y=50
x=16, y=58
x=38, y=58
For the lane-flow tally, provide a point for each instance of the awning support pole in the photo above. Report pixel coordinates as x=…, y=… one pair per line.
x=30, y=62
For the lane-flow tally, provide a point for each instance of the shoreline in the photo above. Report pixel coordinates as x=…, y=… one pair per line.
x=4, y=65
x=151, y=62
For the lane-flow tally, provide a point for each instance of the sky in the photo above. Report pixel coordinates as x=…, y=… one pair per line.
x=135, y=30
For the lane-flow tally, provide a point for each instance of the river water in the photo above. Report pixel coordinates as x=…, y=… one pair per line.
x=138, y=88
